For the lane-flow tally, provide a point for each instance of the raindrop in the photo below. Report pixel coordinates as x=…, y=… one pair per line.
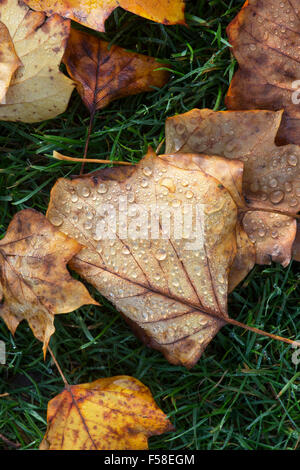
x=288, y=186
x=85, y=191
x=168, y=183
x=147, y=171
x=144, y=183
x=273, y=182
x=125, y=250
x=176, y=203
x=102, y=188
x=130, y=197
x=56, y=220
x=160, y=255
x=276, y=197
x=293, y=202
x=189, y=194
x=293, y=160
x=88, y=225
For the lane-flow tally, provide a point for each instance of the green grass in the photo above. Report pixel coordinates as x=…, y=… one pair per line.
x=229, y=400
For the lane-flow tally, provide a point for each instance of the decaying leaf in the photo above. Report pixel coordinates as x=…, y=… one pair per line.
x=271, y=179
x=93, y=14
x=265, y=40
x=9, y=61
x=38, y=90
x=35, y=283
x=115, y=413
x=104, y=74
x=173, y=293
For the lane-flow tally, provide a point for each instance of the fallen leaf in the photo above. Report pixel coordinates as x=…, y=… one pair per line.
x=265, y=41
x=104, y=73
x=9, y=61
x=35, y=283
x=271, y=178
x=172, y=293
x=93, y=14
x=115, y=413
x=38, y=90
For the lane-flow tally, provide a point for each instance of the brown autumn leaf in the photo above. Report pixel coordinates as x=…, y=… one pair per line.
x=170, y=284
x=38, y=90
x=265, y=40
x=271, y=178
x=9, y=61
x=104, y=73
x=115, y=413
x=93, y=14
x=34, y=281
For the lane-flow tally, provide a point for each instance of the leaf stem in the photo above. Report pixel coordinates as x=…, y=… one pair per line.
x=261, y=332
x=87, y=141
x=58, y=368
x=59, y=156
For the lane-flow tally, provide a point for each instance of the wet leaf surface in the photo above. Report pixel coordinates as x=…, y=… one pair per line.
x=173, y=294
x=265, y=40
x=271, y=178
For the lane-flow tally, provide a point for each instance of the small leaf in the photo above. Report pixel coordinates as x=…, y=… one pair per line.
x=104, y=73
x=34, y=281
x=115, y=413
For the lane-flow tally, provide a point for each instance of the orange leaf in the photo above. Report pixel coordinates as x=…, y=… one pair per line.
x=34, y=281
x=93, y=14
x=115, y=413
x=105, y=74
x=265, y=40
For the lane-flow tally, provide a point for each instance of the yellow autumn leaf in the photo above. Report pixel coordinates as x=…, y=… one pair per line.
x=115, y=413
